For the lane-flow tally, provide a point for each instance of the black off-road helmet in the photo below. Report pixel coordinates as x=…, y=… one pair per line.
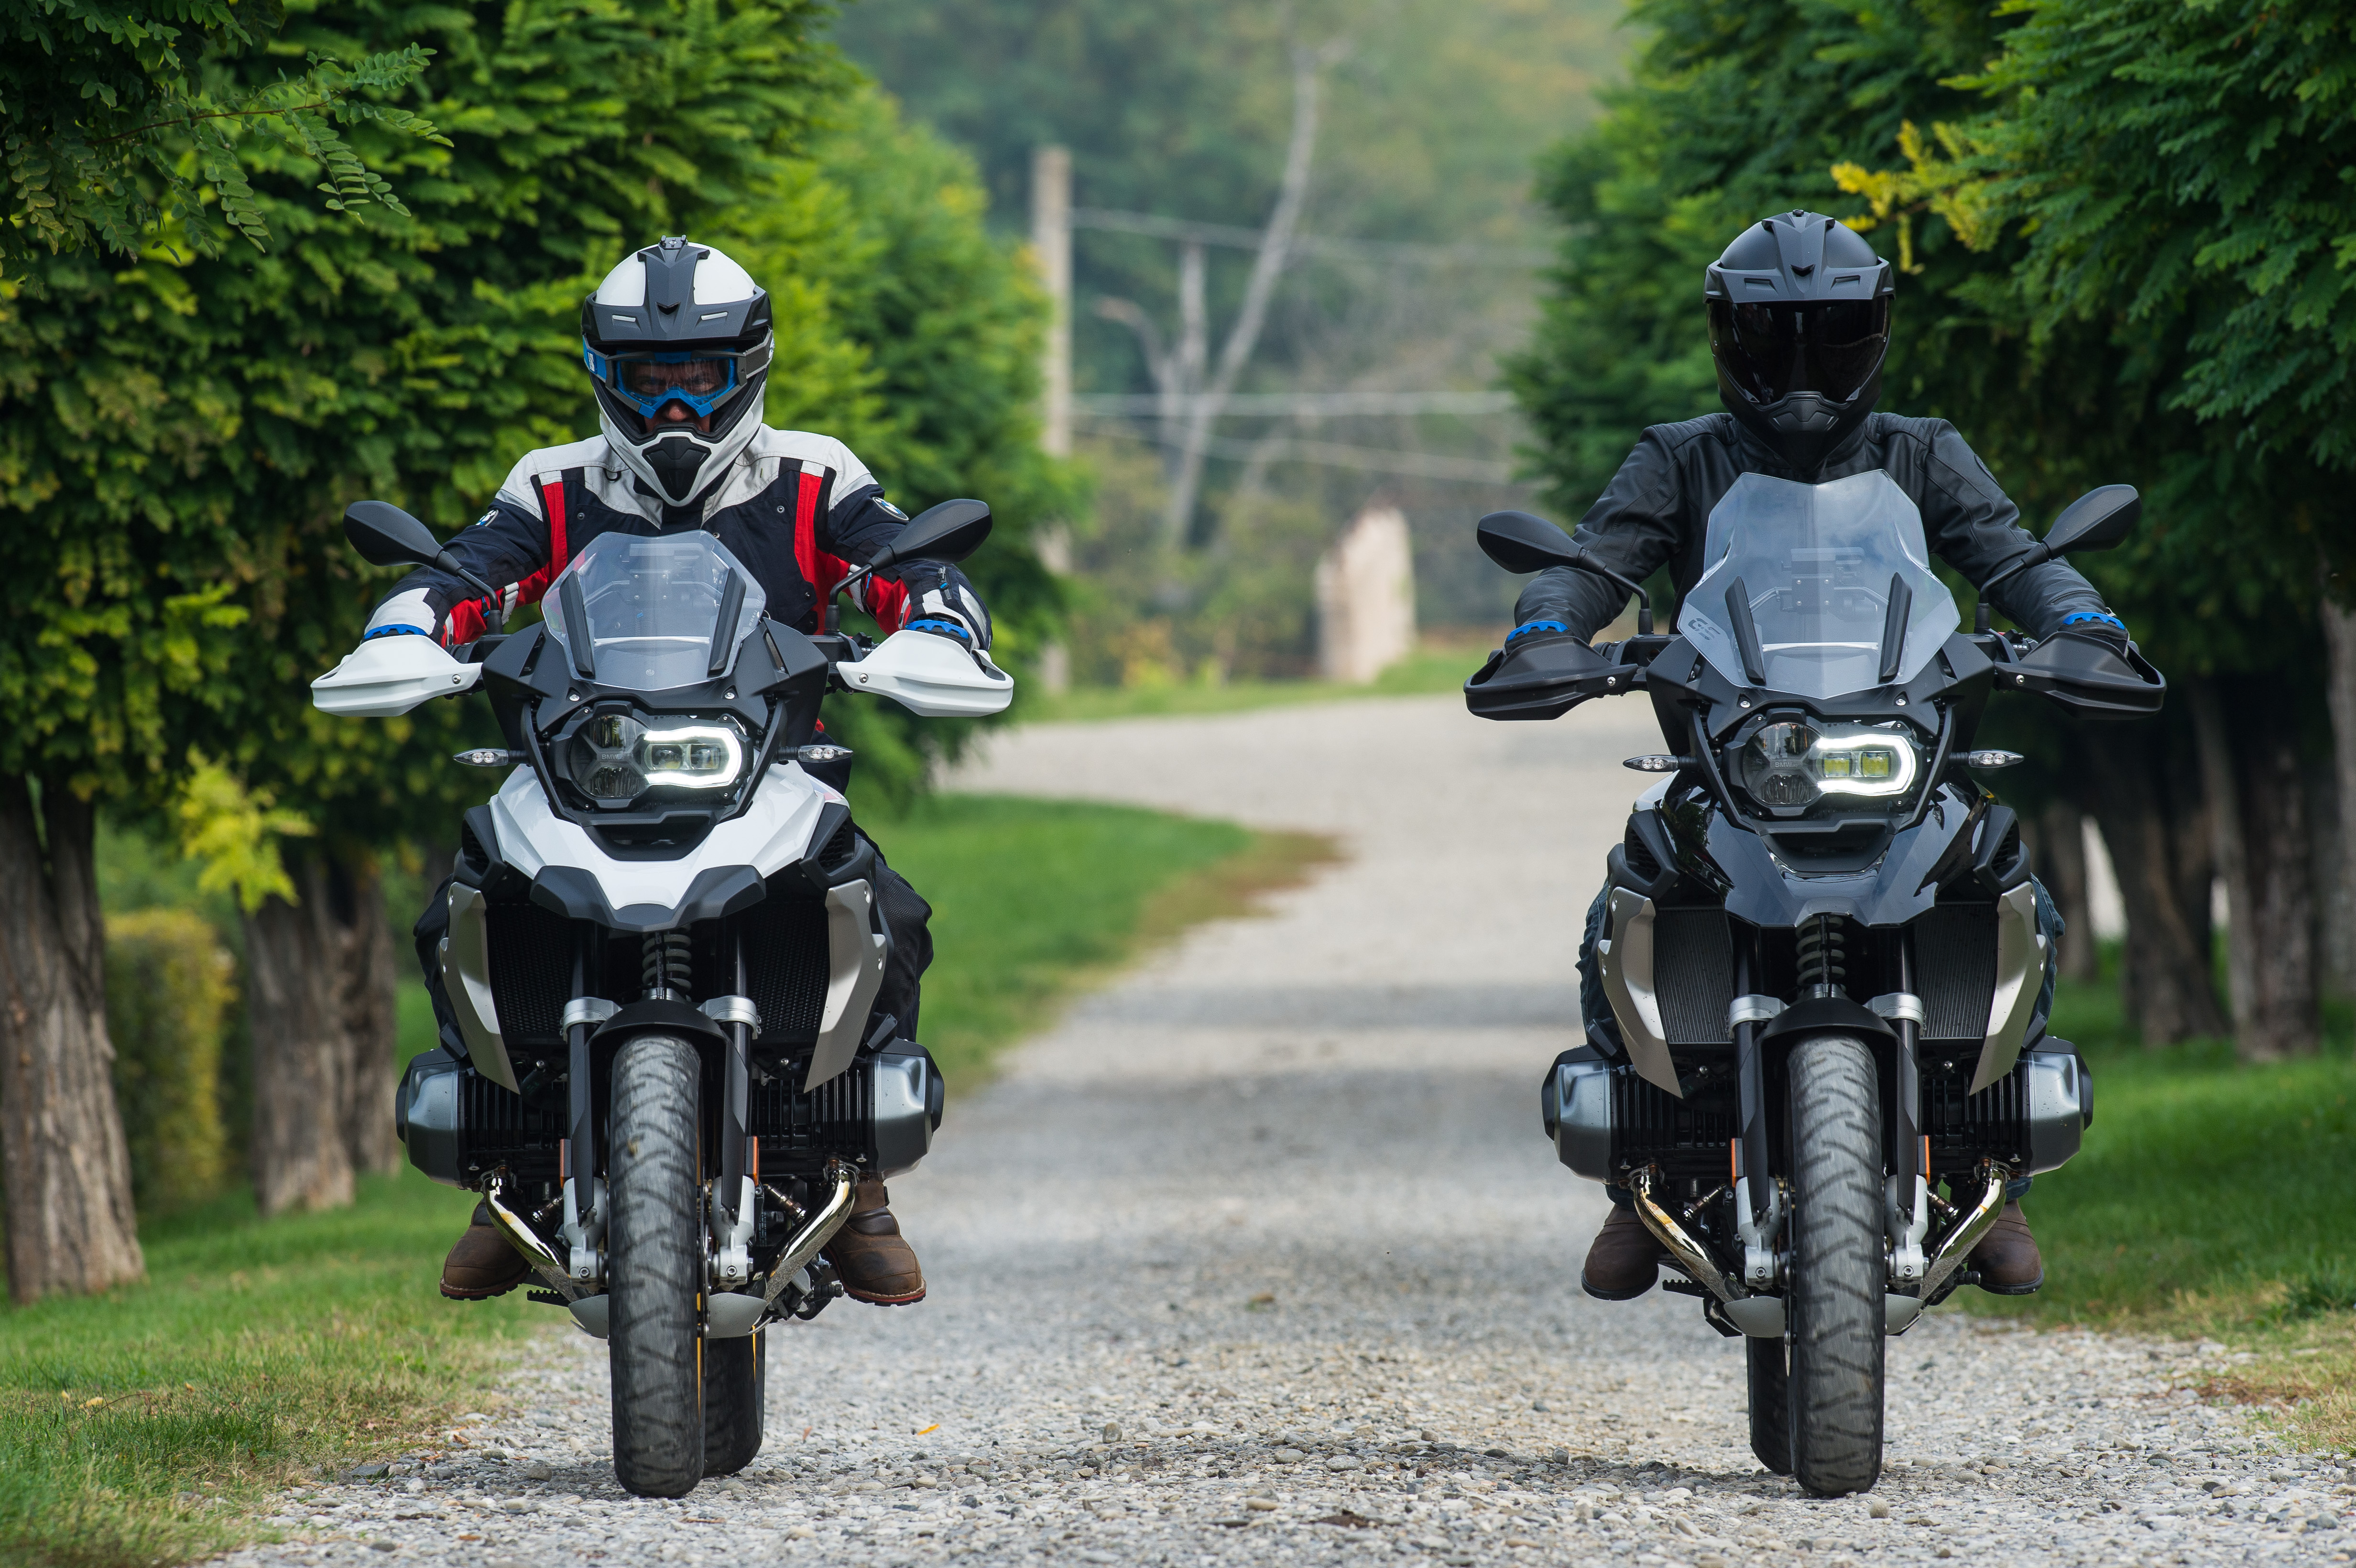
x=1799, y=324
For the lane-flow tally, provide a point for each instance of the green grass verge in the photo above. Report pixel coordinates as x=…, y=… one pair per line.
x=2212, y=1199
x=1430, y=670
x=144, y=1426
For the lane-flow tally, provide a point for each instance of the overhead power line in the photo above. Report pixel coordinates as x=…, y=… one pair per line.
x=1302, y=403
x=1224, y=234
x=1341, y=454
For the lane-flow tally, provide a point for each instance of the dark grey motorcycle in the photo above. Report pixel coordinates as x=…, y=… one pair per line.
x=1821, y=947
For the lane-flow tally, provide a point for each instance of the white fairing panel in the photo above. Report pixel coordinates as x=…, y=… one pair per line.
x=931, y=676
x=385, y=676
x=773, y=833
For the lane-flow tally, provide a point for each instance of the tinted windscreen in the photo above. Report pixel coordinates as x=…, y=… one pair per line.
x=1816, y=569
x=649, y=607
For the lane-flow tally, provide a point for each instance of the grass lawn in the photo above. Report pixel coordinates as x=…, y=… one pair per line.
x=144, y=1426
x=1432, y=668
x=2212, y=1199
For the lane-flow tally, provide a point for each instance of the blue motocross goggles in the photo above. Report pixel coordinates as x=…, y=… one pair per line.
x=699, y=379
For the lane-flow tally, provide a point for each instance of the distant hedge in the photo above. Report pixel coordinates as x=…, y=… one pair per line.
x=168, y=990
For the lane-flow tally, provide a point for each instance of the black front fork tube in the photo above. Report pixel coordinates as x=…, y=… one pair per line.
x=1752, y=1087
x=736, y=1151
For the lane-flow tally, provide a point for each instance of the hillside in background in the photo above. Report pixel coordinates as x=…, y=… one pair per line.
x=1432, y=115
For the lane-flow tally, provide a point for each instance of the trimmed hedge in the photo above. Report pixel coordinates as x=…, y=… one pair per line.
x=169, y=987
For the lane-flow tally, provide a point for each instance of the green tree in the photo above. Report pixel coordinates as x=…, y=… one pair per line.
x=177, y=437
x=121, y=119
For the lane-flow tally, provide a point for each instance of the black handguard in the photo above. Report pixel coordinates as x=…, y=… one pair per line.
x=2088, y=676
x=1544, y=675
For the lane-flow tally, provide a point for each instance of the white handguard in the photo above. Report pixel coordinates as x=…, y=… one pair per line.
x=932, y=676
x=389, y=676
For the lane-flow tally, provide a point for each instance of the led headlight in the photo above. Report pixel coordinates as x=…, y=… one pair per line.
x=616, y=759
x=1795, y=763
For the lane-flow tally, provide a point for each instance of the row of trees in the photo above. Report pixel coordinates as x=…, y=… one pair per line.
x=2124, y=233
x=184, y=411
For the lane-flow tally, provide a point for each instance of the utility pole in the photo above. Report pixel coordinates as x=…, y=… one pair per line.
x=1051, y=242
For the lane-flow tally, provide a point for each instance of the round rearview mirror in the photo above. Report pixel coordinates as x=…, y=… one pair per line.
x=1519, y=541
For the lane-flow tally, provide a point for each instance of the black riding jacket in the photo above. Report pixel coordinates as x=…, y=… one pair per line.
x=1656, y=510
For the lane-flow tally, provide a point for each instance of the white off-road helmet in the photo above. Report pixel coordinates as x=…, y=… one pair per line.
x=678, y=339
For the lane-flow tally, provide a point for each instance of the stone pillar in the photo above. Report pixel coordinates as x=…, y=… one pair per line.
x=1365, y=598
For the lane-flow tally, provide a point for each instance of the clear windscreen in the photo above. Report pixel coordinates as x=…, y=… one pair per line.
x=1818, y=567
x=649, y=608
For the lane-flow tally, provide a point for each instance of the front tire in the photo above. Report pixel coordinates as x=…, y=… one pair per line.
x=655, y=1268
x=736, y=1385
x=1839, y=1272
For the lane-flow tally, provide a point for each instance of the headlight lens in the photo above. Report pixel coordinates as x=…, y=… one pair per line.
x=1794, y=764
x=616, y=759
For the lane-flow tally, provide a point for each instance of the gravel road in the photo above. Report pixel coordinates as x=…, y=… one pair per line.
x=1261, y=1257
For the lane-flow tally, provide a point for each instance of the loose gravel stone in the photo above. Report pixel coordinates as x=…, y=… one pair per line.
x=1258, y=1258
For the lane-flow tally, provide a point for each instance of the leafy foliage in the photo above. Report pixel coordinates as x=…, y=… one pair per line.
x=2168, y=159
x=120, y=119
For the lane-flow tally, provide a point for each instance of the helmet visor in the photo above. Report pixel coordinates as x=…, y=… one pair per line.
x=701, y=380
x=1771, y=350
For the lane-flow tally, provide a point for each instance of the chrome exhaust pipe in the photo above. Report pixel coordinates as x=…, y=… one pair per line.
x=1967, y=1234
x=524, y=1240
x=813, y=1235
x=1688, y=1253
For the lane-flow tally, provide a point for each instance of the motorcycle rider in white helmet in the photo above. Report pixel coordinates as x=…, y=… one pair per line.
x=678, y=341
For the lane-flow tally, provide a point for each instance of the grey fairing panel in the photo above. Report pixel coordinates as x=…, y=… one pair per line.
x=856, y=954
x=2020, y=977
x=1626, y=956
x=467, y=976
x=1903, y=886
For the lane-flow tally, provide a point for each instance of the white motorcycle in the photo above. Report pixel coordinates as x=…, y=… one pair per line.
x=664, y=951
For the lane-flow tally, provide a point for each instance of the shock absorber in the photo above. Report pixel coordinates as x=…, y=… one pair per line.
x=1824, y=956
x=666, y=967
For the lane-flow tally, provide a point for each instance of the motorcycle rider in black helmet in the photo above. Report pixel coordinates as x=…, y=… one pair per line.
x=678, y=341
x=1799, y=310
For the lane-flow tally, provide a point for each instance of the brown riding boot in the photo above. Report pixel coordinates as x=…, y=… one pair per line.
x=2007, y=1257
x=1625, y=1260
x=874, y=1261
x=482, y=1264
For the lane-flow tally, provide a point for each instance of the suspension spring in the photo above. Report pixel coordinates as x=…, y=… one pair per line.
x=1824, y=956
x=667, y=967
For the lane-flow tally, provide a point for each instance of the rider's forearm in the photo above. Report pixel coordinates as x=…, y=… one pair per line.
x=2041, y=598
x=505, y=550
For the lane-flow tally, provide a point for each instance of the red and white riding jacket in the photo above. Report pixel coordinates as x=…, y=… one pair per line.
x=799, y=510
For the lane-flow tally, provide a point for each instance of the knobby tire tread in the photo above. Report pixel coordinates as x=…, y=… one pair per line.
x=736, y=1386
x=656, y=1267
x=1838, y=1271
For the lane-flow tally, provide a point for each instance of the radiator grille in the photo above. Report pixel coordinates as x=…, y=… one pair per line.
x=785, y=968
x=1955, y=967
x=1692, y=973
x=531, y=972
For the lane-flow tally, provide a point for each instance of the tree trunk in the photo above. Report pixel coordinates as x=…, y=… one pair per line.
x=2143, y=790
x=2061, y=858
x=70, y=1224
x=295, y=994
x=2338, y=880
x=2250, y=767
x=370, y=965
